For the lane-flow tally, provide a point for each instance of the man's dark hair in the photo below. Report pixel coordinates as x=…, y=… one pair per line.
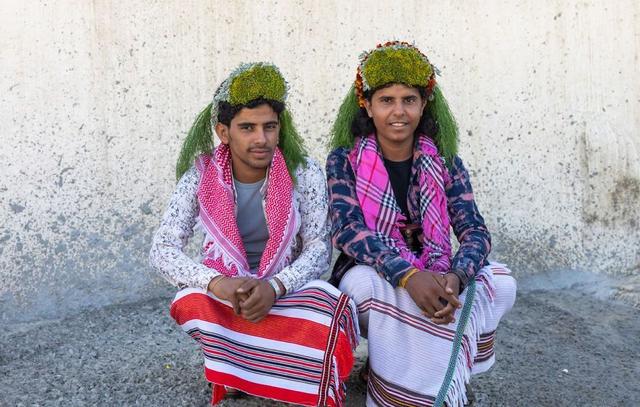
x=227, y=111
x=362, y=124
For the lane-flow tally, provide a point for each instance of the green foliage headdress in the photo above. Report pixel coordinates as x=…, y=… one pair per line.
x=249, y=81
x=396, y=62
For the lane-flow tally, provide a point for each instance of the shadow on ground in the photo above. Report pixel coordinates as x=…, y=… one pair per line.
x=562, y=347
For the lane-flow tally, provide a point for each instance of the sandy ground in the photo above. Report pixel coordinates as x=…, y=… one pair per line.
x=566, y=346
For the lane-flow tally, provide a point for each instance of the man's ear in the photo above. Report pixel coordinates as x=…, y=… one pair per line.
x=222, y=130
x=367, y=105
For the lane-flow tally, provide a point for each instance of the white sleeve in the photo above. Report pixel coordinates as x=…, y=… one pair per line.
x=315, y=256
x=167, y=255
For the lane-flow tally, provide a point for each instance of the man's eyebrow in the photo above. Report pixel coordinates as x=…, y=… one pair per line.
x=255, y=124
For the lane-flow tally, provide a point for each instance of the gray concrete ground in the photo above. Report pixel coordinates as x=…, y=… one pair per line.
x=565, y=343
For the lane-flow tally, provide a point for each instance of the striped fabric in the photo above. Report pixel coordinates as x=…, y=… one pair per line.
x=301, y=353
x=485, y=347
x=408, y=354
x=385, y=393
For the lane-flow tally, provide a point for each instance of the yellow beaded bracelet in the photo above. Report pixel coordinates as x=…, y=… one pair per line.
x=407, y=275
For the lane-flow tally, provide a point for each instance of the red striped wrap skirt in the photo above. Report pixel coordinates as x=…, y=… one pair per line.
x=301, y=352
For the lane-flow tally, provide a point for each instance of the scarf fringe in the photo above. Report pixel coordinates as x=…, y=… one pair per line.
x=339, y=394
x=215, y=252
x=351, y=326
x=457, y=394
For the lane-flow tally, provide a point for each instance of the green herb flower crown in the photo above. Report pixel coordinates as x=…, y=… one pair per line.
x=248, y=82
x=396, y=62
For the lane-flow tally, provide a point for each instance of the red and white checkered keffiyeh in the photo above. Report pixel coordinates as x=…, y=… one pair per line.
x=223, y=248
x=382, y=213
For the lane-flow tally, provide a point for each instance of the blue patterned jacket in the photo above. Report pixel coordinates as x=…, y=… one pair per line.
x=359, y=244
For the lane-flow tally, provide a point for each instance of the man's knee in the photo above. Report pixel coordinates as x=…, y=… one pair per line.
x=189, y=305
x=358, y=283
x=506, y=288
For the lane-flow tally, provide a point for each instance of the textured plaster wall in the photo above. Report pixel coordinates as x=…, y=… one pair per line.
x=95, y=98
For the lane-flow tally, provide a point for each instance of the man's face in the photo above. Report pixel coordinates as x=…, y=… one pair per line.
x=396, y=111
x=252, y=137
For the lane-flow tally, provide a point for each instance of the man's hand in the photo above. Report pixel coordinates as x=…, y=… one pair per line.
x=226, y=289
x=261, y=297
x=452, y=288
x=429, y=292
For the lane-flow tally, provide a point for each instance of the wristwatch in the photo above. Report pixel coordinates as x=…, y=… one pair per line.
x=276, y=287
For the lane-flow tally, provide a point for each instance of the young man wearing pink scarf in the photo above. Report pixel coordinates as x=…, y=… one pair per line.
x=266, y=325
x=396, y=189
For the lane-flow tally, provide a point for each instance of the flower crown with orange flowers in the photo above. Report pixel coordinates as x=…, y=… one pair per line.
x=396, y=62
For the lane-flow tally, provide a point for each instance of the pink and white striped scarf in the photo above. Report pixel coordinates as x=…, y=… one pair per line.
x=382, y=213
x=223, y=248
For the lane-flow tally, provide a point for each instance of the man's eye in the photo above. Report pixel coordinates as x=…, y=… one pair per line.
x=385, y=100
x=410, y=100
x=271, y=126
x=246, y=127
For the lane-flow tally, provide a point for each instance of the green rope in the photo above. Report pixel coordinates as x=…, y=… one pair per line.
x=457, y=341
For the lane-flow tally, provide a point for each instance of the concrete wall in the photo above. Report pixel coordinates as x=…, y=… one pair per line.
x=95, y=98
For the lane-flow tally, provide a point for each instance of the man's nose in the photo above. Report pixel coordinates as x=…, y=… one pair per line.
x=260, y=136
x=398, y=109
